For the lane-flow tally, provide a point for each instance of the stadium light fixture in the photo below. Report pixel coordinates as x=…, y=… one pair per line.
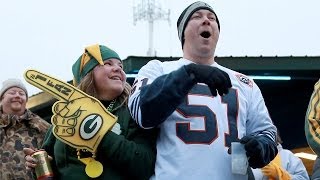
x=281, y=78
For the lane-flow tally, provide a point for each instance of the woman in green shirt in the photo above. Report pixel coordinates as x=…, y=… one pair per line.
x=126, y=155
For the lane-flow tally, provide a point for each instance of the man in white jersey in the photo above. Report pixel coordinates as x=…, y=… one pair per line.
x=201, y=107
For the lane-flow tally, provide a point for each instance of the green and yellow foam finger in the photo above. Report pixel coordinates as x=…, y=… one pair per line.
x=61, y=90
x=79, y=119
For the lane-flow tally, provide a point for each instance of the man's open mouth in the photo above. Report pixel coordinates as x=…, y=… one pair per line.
x=205, y=34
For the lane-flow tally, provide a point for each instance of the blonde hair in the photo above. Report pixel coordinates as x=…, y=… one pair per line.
x=87, y=85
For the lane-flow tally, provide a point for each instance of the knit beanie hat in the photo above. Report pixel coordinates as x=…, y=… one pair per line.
x=187, y=13
x=92, y=56
x=9, y=83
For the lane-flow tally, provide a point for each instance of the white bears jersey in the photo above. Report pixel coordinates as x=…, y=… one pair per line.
x=195, y=137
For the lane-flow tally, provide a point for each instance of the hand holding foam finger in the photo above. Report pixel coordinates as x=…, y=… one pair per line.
x=78, y=120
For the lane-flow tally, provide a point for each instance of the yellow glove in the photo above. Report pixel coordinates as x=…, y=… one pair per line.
x=274, y=172
x=78, y=120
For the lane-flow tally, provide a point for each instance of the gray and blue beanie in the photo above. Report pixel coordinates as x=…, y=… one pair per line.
x=187, y=13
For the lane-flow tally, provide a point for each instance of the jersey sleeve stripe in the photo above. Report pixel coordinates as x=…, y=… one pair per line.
x=269, y=134
x=136, y=112
x=134, y=108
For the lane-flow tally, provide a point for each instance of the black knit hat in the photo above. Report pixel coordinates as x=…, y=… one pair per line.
x=187, y=13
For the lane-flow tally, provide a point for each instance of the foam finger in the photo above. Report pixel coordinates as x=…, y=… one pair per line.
x=60, y=121
x=64, y=131
x=60, y=108
x=57, y=88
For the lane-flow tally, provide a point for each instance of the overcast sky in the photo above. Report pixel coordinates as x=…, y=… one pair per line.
x=50, y=35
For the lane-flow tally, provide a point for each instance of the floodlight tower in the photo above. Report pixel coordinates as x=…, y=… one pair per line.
x=149, y=11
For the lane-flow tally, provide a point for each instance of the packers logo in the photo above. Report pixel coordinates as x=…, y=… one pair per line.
x=90, y=126
x=244, y=79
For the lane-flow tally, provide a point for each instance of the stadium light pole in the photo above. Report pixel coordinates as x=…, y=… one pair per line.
x=148, y=10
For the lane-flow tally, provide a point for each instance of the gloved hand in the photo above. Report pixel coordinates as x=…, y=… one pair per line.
x=215, y=78
x=273, y=171
x=260, y=150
